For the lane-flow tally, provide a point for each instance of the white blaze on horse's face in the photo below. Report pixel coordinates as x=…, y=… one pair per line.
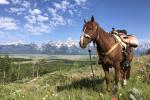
x=85, y=39
x=81, y=41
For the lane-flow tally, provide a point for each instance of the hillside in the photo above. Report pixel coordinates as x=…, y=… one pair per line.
x=76, y=83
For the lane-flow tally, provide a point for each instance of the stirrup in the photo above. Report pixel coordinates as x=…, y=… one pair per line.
x=126, y=64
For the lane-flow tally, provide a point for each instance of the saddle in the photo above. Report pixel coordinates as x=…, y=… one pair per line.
x=124, y=39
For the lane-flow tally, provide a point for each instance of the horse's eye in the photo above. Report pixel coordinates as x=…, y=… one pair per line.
x=90, y=29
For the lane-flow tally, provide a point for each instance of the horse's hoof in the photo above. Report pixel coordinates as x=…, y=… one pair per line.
x=124, y=82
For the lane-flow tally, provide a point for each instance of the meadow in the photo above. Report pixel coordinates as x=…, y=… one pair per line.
x=31, y=77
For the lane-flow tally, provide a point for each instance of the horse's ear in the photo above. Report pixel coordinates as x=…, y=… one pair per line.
x=92, y=18
x=84, y=21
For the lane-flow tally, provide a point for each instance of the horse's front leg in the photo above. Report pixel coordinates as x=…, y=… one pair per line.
x=117, y=76
x=107, y=78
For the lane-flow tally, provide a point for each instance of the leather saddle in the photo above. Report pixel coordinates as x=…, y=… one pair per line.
x=121, y=35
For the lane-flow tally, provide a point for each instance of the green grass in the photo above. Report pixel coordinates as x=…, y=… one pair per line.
x=72, y=80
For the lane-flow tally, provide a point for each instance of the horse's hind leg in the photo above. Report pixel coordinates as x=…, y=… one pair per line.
x=107, y=78
x=128, y=72
x=126, y=75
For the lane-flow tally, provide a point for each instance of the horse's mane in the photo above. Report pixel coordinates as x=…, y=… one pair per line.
x=103, y=31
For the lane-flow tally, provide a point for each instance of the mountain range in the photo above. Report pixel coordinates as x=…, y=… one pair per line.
x=59, y=47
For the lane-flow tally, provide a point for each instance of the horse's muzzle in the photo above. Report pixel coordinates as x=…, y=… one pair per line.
x=82, y=42
x=82, y=45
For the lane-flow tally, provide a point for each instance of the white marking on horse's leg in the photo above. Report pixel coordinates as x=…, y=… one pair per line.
x=124, y=82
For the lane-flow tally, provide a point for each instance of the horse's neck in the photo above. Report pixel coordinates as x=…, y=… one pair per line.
x=105, y=40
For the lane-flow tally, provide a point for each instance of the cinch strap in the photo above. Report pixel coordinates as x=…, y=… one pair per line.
x=109, y=51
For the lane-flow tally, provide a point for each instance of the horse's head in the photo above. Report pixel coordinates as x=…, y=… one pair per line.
x=89, y=33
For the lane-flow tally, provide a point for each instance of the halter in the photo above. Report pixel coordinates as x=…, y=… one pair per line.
x=91, y=34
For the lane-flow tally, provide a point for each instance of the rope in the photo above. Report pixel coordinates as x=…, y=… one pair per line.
x=93, y=75
x=91, y=63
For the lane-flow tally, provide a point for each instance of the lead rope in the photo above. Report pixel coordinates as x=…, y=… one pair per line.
x=93, y=75
x=91, y=63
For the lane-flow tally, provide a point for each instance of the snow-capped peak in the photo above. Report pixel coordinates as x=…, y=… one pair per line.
x=15, y=43
x=59, y=43
x=69, y=42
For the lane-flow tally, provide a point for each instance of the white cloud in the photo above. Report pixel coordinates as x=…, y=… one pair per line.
x=52, y=11
x=23, y=3
x=57, y=20
x=37, y=30
x=69, y=21
x=26, y=4
x=16, y=1
x=42, y=18
x=18, y=11
x=31, y=19
x=45, y=28
x=62, y=6
x=35, y=11
x=57, y=5
x=35, y=19
x=7, y=23
x=37, y=23
x=80, y=2
x=70, y=12
x=65, y=6
x=4, y=2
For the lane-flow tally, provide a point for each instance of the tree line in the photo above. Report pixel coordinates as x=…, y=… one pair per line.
x=12, y=69
x=15, y=70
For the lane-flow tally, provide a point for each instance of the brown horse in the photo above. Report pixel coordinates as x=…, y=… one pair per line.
x=109, y=52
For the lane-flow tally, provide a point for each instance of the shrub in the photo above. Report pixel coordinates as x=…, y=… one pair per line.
x=148, y=51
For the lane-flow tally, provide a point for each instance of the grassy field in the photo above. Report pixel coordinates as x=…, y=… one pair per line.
x=71, y=79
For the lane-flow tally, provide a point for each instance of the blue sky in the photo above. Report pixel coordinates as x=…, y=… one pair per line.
x=41, y=21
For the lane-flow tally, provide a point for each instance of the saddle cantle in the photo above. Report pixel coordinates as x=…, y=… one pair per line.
x=122, y=31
